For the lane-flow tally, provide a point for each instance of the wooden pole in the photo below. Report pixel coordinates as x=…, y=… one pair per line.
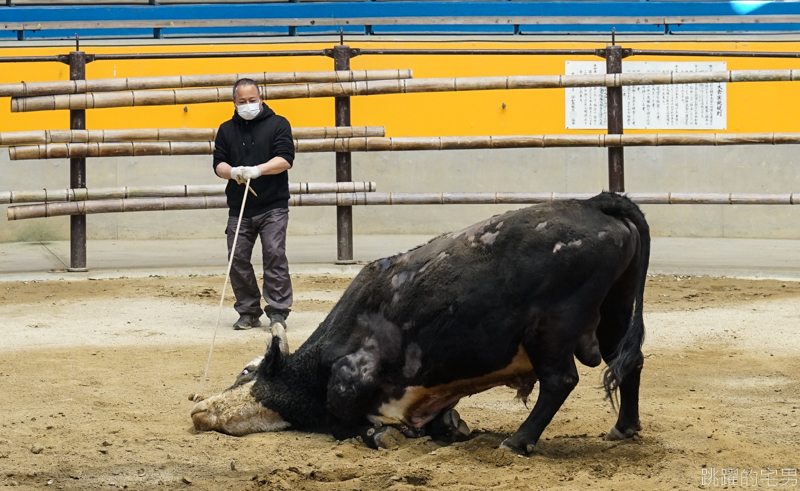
x=300, y=91
x=169, y=134
x=57, y=195
x=344, y=172
x=23, y=212
x=77, y=171
x=379, y=144
x=29, y=89
x=616, y=156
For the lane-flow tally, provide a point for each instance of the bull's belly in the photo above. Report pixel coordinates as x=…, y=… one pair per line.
x=419, y=405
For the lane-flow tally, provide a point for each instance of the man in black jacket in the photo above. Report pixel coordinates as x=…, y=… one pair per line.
x=257, y=144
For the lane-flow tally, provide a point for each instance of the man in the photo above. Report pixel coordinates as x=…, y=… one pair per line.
x=257, y=144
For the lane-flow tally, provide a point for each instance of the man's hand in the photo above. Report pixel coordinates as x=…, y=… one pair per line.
x=242, y=174
x=251, y=173
x=236, y=175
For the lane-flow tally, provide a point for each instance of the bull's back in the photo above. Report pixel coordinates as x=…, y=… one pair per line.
x=449, y=316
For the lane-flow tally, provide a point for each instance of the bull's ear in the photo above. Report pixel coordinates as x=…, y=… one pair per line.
x=273, y=358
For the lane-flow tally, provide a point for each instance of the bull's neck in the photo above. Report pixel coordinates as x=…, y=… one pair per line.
x=305, y=387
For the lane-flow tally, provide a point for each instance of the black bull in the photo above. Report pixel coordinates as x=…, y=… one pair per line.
x=507, y=301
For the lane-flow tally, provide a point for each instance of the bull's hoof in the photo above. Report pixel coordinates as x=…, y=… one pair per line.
x=615, y=435
x=449, y=425
x=507, y=445
x=462, y=432
x=386, y=437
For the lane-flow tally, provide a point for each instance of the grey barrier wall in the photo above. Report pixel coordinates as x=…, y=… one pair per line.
x=745, y=169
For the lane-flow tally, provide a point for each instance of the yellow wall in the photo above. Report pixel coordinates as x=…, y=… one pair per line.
x=752, y=107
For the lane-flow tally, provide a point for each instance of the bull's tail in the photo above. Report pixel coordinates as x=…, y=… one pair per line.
x=627, y=356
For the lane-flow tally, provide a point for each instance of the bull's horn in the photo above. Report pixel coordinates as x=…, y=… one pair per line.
x=279, y=332
x=269, y=339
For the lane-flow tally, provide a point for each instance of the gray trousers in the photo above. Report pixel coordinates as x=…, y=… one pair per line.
x=271, y=228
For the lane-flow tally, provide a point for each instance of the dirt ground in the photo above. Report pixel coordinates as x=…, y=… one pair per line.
x=95, y=378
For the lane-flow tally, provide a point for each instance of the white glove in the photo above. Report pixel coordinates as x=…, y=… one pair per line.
x=251, y=173
x=236, y=175
x=242, y=174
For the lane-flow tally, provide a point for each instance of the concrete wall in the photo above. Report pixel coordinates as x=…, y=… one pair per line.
x=753, y=169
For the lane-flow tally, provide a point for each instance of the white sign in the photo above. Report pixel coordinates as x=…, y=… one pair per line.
x=650, y=107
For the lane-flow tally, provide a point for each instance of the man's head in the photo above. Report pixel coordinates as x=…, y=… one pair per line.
x=246, y=98
x=245, y=91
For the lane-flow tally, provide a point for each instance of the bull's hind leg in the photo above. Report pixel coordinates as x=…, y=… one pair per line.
x=628, y=423
x=615, y=316
x=557, y=377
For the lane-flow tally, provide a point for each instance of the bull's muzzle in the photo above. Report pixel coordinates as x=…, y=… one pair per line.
x=203, y=419
x=236, y=412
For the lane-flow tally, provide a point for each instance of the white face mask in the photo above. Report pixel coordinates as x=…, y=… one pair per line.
x=249, y=111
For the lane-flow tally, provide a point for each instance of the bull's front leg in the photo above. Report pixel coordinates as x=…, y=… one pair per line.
x=556, y=382
x=375, y=436
x=448, y=426
x=387, y=437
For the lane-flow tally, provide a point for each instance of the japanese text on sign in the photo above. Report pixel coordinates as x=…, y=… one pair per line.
x=667, y=107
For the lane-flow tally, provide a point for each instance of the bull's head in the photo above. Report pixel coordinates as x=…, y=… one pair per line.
x=236, y=410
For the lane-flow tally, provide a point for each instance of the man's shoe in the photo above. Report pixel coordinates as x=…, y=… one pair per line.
x=246, y=321
x=277, y=318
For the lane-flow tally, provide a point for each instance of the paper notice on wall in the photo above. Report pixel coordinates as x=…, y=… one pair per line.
x=650, y=107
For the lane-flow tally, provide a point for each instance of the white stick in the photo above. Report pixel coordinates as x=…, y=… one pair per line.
x=224, y=286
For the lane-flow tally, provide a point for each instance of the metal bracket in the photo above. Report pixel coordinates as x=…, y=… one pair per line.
x=625, y=52
x=353, y=52
x=65, y=59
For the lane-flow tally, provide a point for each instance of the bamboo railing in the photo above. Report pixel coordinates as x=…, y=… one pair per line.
x=83, y=194
x=23, y=212
x=380, y=144
x=169, y=134
x=30, y=89
x=132, y=98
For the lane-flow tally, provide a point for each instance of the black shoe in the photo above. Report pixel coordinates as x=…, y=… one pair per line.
x=277, y=318
x=246, y=321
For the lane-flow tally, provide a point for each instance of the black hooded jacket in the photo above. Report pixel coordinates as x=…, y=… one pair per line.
x=246, y=143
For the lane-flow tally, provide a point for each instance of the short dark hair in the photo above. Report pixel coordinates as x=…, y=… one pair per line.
x=243, y=81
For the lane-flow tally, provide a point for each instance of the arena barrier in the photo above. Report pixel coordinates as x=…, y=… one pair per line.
x=381, y=144
x=56, y=195
x=77, y=150
x=135, y=98
x=73, y=208
x=169, y=134
x=29, y=89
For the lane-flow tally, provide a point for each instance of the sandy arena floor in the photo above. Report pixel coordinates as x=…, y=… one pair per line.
x=95, y=378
